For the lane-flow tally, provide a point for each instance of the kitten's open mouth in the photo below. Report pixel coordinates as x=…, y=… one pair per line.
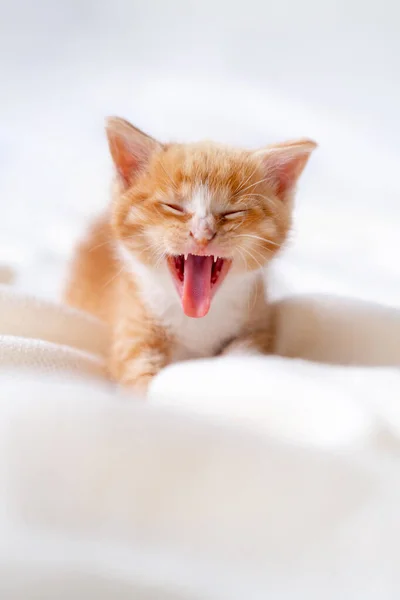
x=197, y=278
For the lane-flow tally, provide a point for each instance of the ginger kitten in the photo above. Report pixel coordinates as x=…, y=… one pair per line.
x=176, y=265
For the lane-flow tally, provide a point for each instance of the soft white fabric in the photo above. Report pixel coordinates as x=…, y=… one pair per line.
x=309, y=397
x=274, y=394
x=113, y=498
x=45, y=337
x=238, y=476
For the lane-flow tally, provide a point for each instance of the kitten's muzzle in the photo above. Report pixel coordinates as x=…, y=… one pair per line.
x=204, y=239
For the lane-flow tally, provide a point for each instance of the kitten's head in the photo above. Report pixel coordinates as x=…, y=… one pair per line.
x=202, y=209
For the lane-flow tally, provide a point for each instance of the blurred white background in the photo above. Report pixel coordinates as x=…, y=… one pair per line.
x=245, y=72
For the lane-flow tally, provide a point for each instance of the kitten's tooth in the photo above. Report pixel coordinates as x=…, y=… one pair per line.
x=215, y=258
x=186, y=255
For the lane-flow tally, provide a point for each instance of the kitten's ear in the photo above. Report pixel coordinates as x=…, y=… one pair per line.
x=130, y=148
x=284, y=163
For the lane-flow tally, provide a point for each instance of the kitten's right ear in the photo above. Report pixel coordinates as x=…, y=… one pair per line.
x=130, y=148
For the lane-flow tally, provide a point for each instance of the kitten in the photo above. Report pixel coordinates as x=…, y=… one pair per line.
x=176, y=266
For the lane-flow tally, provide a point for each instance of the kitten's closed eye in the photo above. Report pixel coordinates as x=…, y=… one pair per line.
x=174, y=209
x=234, y=214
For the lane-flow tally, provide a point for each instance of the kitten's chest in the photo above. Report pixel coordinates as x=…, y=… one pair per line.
x=195, y=338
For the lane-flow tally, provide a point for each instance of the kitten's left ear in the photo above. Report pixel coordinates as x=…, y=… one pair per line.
x=130, y=148
x=284, y=163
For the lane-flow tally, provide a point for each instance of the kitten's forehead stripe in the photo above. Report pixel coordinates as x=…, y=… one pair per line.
x=200, y=201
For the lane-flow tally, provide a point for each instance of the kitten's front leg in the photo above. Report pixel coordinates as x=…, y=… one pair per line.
x=139, y=351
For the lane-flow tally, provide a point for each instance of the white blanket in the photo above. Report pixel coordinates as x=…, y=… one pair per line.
x=238, y=476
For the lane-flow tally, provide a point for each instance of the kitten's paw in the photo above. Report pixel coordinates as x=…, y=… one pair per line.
x=137, y=388
x=254, y=343
x=241, y=347
x=141, y=385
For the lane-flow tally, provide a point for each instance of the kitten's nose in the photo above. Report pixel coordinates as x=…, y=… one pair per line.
x=204, y=238
x=203, y=230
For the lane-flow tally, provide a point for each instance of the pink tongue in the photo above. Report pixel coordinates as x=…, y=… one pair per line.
x=196, y=294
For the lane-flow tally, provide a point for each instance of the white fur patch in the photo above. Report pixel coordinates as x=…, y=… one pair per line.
x=200, y=202
x=203, y=222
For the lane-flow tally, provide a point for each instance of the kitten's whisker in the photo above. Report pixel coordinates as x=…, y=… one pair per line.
x=257, y=237
x=132, y=238
x=161, y=257
x=169, y=177
x=113, y=277
x=236, y=226
x=254, y=184
x=242, y=256
x=258, y=252
x=254, y=301
x=154, y=248
x=255, y=195
x=266, y=199
x=255, y=249
x=240, y=188
x=252, y=256
x=100, y=245
x=158, y=252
